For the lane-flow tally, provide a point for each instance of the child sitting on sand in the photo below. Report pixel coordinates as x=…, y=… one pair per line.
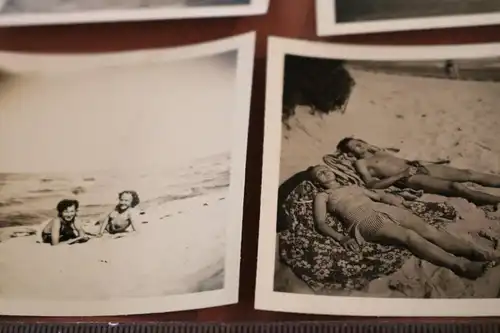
x=66, y=228
x=124, y=216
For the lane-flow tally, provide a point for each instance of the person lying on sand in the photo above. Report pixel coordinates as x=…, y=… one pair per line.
x=124, y=216
x=382, y=218
x=380, y=169
x=66, y=228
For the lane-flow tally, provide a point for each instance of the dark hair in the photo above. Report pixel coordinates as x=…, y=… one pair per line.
x=65, y=204
x=135, y=197
x=312, y=172
x=342, y=146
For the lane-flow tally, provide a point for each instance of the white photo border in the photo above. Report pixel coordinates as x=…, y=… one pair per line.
x=256, y=7
x=245, y=46
x=327, y=25
x=265, y=296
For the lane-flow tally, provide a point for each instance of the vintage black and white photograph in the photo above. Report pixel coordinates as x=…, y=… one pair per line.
x=122, y=179
x=363, y=16
x=37, y=12
x=381, y=180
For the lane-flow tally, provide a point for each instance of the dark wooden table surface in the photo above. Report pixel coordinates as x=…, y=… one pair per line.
x=287, y=18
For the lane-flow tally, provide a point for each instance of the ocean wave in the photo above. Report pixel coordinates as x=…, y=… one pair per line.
x=27, y=199
x=43, y=190
x=20, y=218
x=11, y=202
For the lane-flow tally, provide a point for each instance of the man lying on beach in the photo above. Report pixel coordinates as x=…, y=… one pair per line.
x=380, y=169
x=382, y=218
x=66, y=228
x=125, y=215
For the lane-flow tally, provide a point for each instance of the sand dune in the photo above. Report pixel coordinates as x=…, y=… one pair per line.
x=427, y=119
x=180, y=250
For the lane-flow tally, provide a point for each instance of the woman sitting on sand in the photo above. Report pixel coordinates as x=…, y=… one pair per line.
x=388, y=222
x=124, y=216
x=66, y=228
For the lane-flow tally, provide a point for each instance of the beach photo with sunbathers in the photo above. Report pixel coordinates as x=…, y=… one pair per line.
x=387, y=178
x=121, y=179
x=357, y=16
x=34, y=12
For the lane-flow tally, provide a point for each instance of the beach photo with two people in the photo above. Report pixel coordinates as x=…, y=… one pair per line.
x=67, y=228
x=120, y=181
x=389, y=179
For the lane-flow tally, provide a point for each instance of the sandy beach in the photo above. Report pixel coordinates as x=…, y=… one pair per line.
x=426, y=119
x=180, y=250
x=421, y=116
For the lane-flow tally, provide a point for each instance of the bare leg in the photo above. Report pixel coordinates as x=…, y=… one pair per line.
x=446, y=172
x=391, y=234
x=446, y=241
x=450, y=189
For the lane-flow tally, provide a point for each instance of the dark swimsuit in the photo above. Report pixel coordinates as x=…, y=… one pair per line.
x=418, y=168
x=66, y=232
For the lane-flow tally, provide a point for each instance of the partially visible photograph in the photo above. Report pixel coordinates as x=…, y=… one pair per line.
x=121, y=179
x=388, y=185
x=33, y=12
x=357, y=16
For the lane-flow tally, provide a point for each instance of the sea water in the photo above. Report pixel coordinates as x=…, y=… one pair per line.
x=30, y=198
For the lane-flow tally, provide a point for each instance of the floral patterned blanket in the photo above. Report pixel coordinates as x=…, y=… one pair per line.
x=326, y=266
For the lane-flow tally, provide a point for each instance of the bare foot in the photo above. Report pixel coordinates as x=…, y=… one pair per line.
x=471, y=269
x=484, y=255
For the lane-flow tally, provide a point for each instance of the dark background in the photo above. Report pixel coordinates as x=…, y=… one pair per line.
x=288, y=18
x=367, y=10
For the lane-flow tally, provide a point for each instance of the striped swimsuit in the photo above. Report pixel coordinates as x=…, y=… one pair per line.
x=362, y=217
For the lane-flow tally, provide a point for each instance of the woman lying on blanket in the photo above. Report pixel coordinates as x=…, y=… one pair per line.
x=382, y=218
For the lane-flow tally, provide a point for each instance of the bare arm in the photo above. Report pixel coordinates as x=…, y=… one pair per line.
x=320, y=215
x=387, y=182
x=40, y=230
x=386, y=198
x=104, y=224
x=362, y=169
x=79, y=228
x=134, y=219
x=374, y=183
x=54, y=233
